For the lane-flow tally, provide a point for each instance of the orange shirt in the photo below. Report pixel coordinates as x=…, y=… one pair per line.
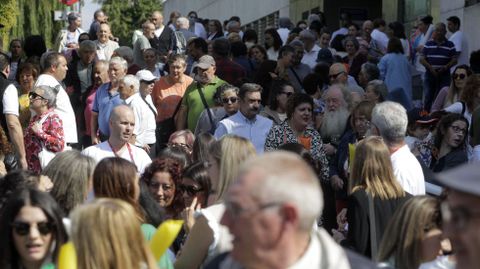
x=166, y=96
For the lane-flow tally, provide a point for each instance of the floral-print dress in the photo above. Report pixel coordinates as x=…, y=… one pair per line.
x=283, y=134
x=51, y=135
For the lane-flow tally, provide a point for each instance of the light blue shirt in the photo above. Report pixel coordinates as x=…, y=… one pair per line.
x=255, y=130
x=395, y=70
x=103, y=104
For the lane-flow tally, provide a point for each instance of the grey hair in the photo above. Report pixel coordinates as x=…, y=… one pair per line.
x=217, y=96
x=120, y=61
x=49, y=94
x=126, y=53
x=308, y=34
x=345, y=93
x=70, y=171
x=379, y=87
x=183, y=23
x=371, y=71
x=391, y=120
x=284, y=22
x=231, y=24
x=296, y=43
x=131, y=80
x=286, y=178
x=88, y=45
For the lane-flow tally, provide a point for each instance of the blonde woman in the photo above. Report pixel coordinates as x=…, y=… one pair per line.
x=106, y=234
x=207, y=237
x=371, y=175
x=413, y=235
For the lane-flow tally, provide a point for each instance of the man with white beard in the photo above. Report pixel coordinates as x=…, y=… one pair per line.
x=337, y=99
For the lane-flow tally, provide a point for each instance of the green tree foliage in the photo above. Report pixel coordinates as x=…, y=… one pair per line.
x=127, y=15
x=8, y=17
x=23, y=18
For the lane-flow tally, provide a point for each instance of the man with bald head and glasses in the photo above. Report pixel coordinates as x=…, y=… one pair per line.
x=272, y=211
x=461, y=213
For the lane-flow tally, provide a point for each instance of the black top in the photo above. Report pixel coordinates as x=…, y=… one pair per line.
x=165, y=42
x=454, y=158
x=358, y=237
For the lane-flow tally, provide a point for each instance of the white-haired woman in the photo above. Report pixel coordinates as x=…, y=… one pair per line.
x=45, y=129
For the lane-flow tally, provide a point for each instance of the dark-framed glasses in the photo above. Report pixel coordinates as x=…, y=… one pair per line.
x=229, y=100
x=23, y=228
x=190, y=190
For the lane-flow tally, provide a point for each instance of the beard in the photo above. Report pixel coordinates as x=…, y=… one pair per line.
x=334, y=124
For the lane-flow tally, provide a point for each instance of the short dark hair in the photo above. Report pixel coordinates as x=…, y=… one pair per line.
x=276, y=89
x=295, y=100
x=285, y=50
x=26, y=67
x=249, y=87
x=371, y=70
x=250, y=34
x=238, y=48
x=4, y=61
x=221, y=47
x=312, y=82
x=351, y=39
x=475, y=61
x=455, y=20
x=199, y=43
x=394, y=45
x=378, y=22
x=398, y=29
x=427, y=19
x=52, y=59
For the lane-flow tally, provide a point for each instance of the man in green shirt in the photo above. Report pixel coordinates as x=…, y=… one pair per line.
x=192, y=103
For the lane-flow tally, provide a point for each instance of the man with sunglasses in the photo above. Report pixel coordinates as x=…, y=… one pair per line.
x=246, y=122
x=460, y=213
x=10, y=110
x=338, y=74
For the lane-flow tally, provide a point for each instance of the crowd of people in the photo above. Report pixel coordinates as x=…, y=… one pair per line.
x=298, y=147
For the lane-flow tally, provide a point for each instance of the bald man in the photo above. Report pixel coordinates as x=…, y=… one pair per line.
x=122, y=123
x=164, y=39
x=338, y=74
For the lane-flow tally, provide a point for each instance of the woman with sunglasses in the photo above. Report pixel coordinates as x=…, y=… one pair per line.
x=31, y=230
x=297, y=128
x=449, y=95
x=195, y=188
x=276, y=110
x=45, y=129
x=450, y=146
x=469, y=99
x=226, y=100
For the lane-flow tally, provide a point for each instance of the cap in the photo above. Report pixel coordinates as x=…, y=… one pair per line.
x=464, y=178
x=205, y=62
x=145, y=75
x=325, y=55
x=420, y=116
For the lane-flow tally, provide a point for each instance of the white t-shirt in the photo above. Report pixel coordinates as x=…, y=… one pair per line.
x=103, y=150
x=457, y=108
x=461, y=46
x=310, y=58
x=408, y=171
x=10, y=101
x=145, y=123
x=64, y=107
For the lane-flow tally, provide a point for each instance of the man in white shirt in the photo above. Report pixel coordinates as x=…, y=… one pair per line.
x=379, y=36
x=54, y=72
x=105, y=46
x=122, y=123
x=389, y=120
x=459, y=40
x=308, y=37
x=246, y=122
x=10, y=111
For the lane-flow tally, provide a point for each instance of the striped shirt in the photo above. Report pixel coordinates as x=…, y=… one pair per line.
x=439, y=54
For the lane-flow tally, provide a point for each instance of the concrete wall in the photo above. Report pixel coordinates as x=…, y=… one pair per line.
x=247, y=10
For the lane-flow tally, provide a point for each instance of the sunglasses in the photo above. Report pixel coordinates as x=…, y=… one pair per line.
x=148, y=82
x=288, y=94
x=459, y=76
x=190, y=190
x=23, y=228
x=334, y=76
x=34, y=96
x=232, y=100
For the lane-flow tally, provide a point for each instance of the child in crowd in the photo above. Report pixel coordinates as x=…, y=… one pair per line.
x=419, y=136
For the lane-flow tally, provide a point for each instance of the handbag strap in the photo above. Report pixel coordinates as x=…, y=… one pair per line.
x=373, y=228
x=149, y=106
x=205, y=104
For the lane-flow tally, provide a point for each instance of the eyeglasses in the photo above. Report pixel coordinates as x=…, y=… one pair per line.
x=190, y=190
x=23, y=228
x=232, y=100
x=459, y=217
x=458, y=130
x=334, y=76
x=33, y=96
x=288, y=94
x=236, y=210
x=459, y=76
